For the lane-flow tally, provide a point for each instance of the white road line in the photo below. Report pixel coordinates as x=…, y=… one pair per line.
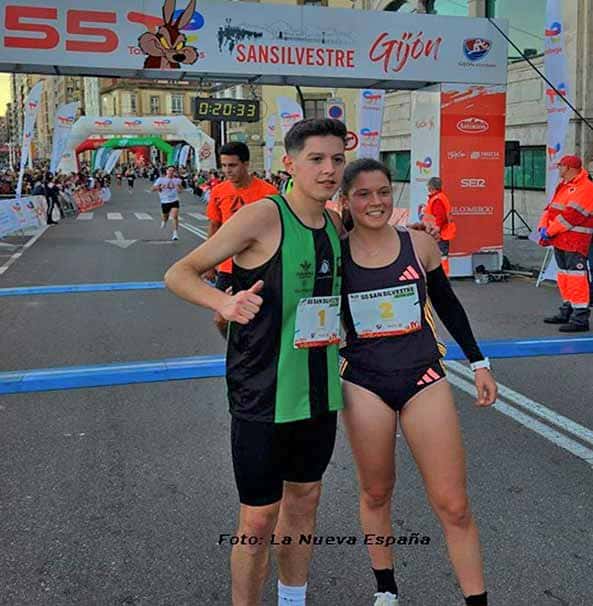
x=562, y=441
x=198, y=216
x=114, y=217
x=143, y=216
x=19, y=254
x=195, y=231
x=85, y=216
x=535, y=408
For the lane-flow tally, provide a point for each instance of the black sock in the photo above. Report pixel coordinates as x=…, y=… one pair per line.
x=477, y=600
x=386, y=581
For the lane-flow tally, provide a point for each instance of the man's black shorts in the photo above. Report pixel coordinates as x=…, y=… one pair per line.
x=265, y=455
x=167, y=206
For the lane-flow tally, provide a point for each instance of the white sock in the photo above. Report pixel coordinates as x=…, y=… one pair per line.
x=163, y=223
x=291, y=596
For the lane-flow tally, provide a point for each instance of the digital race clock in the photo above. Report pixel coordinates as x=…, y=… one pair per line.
x=236, y=110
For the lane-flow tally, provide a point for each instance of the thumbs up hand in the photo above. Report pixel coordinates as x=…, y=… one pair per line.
x=243, y=306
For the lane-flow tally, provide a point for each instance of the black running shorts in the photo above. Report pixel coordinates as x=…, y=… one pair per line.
x=167, y=206
x=265, y=455
x=399, y=387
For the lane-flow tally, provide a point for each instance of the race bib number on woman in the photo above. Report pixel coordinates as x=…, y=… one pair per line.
x=317, y=322
x=386, y=313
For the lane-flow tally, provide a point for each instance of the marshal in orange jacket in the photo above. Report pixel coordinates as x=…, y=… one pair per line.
x=437, y=212
x=569, y=216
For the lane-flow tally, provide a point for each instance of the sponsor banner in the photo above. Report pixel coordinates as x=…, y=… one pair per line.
x=370, y=122
x=278, y=44
x=101, y=156
x=269, y=143
x=558, y=112
x=424, y=159
x=183, y=155
x=112, y=160
x=289, y=112
x=22, y=214
x=88, y=200
x=472, y=164
x=65, y=118
x=31, y=108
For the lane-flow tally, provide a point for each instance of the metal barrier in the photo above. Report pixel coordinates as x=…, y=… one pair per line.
x=204, y=367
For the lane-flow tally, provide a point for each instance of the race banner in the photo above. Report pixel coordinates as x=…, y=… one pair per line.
x=100, y=158
x=289, y=111
x=274, y=44
x=31, y=109
x=370, y=123
x=65, y=117
x=558, y=112
x=269, y=142
x=472, y=164
x=426, y=137
x=21, y=214
x=112, y=160
x=88, y=200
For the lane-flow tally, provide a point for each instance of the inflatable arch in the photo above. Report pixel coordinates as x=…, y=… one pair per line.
x=175, y=127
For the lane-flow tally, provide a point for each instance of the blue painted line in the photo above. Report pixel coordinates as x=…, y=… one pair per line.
x=69, y=288
x=203, y=367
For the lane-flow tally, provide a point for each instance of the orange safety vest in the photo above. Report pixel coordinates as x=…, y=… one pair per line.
x=569, y=216
x=447, y=229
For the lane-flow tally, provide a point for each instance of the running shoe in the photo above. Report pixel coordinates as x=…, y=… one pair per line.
x=174, y=236
x=386, y=599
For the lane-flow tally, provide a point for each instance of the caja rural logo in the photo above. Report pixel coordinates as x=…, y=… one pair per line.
x=371, y=96
x=369, y=136
x=476, y=49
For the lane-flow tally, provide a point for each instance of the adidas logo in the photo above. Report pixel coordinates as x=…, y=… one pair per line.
x=409, y=274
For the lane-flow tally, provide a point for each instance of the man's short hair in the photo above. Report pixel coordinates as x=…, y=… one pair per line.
x=435, y=183
x=235, y=148
x=313, y=127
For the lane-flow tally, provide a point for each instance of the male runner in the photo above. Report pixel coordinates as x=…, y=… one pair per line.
x=238, y=189
x=282, y=358
x=169, y=188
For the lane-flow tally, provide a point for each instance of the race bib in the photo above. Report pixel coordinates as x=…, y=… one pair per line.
x=317, y=322
x=386, y=313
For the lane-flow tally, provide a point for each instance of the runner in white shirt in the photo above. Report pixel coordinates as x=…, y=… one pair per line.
x=169, y=188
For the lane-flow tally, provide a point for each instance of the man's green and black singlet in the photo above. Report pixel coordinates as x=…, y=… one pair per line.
x=267, y=378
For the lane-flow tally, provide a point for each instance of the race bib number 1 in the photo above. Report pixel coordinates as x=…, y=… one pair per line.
x=386, y=313
x=317, y=322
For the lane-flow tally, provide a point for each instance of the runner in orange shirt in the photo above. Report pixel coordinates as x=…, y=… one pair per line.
x=226, y=198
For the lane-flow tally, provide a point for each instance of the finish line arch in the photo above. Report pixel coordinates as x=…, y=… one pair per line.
x=125, y=142
x=176, y=127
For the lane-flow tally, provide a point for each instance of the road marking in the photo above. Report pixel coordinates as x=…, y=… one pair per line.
x=195, y=230
x=557, y=438
x=114, y=217
x=143, y=216
x=85, y=216
x=121, y=241
x=198, y=216
x=19, y=254
x=535, y=408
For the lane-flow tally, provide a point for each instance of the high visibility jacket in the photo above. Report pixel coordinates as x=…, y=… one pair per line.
x=569, y=216
x=438, y=212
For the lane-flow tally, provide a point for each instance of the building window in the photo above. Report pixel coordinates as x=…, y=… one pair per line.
x=176, y=104
x=129, y=105
x=527, y=22
x=398, y=163
x=312, y=2
x=456, y=8
x=314, y=108
x=155, y=105
x=532, y=172
x=133, y=103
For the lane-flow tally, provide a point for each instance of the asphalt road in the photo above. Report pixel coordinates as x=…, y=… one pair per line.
x=117, y=496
